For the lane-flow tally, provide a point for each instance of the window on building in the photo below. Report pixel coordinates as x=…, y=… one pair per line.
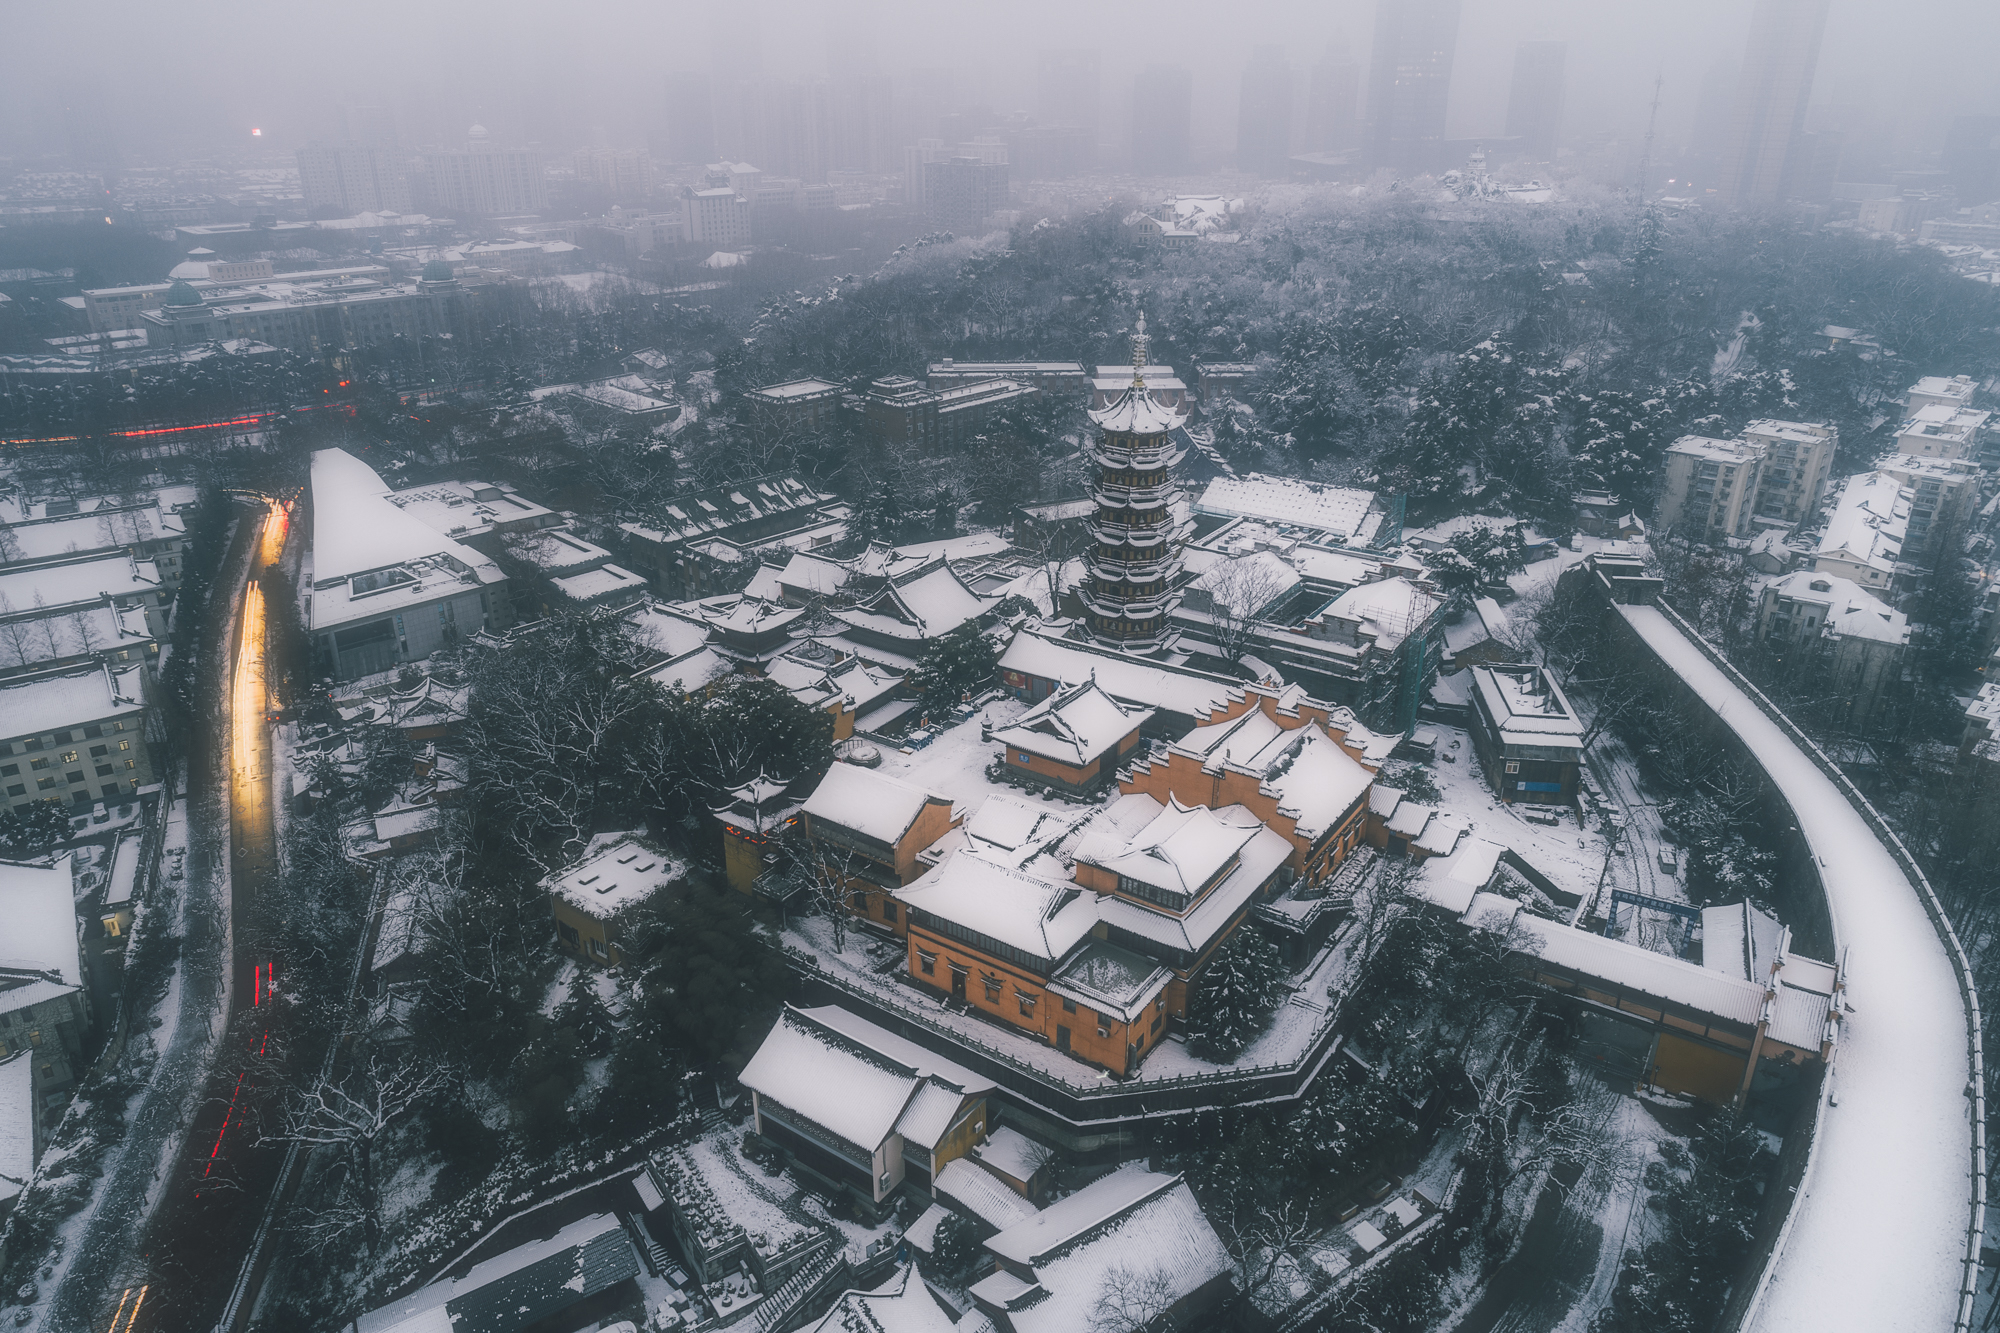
x=1069, y=1005
x=926, y=963
x=1513, y=766
x=888, y=909
x=992, y=985
x=1103, y=1028
x=1027, y=1003
x=597, y=947
x=69, y=756
x=99, y=751
x=40, y=763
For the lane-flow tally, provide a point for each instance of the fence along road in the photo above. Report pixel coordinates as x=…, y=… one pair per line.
x=1878, y=1238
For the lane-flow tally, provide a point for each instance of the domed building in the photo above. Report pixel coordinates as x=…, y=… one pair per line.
x=1141, y=522
x=438, y=276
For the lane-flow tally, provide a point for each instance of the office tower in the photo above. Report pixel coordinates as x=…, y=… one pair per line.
x=1333, y=104
x=1972, y=158
x=1264, y=114
x=690, y=118
x=1067, y=89
x=795, y=123
x=1163, y=120
x=342, y=179
x=1535, y=106
x=1771, y=95
x=1409, y=82
x=1709, y=138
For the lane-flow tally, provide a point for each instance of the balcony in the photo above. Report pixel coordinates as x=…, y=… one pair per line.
x=1116, y=495
x=1143, y=569
x=1152, y=458
x=1149, y=537
x=1119, y=607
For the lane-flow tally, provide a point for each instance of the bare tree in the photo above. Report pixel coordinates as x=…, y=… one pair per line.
x=1239, y=591
x=1132, y=1300
x=353, y=1114
x=1274, y=1233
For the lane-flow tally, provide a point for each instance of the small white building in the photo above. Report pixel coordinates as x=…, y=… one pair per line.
x=1865, y=532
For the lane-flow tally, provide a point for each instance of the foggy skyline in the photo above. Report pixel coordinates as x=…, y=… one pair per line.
x=564, y=78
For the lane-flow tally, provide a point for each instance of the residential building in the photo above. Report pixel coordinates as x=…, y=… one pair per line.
x=1527, y=736
x=1054, y=1268
x=715, y=214
x=45, y=1009
x=75, y=734
x=1264, y=114
x=590, y=1262
x=904, y=1303
x=484, y=180
x=1071, y=742
x=1535, y=101
x=1711, y=487
x=622, y=173
x=1163, y=120
x=859, y=1107
x=1798, y=460
x=343, y=179
x=151, y=527
x=1853, y=643
x=1136, y=539
x=41, y=638
x=1943, y=495
x=901, y=410
x=387, y=587
x=1937, y=430
x=1409, y=83
x=1335, y=515
x=1954, y=392
x=961, y=193
x=867, y=829
x=1865, y=532
x=594, y=901
x=1374, y=648
x=1765, y=141
x=1288, y=763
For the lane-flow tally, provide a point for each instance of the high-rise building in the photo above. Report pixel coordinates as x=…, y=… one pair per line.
x=690, y=126
x=1772, y=89
x=1708, y=138
x=960, y=193
x=622, y=173
x=484, y=180
x=1409, y=82
x=1067, y=89
x=342, y=179
x=1163, y=120
x=1535, y=104
x=860, y=110
x=1264, y=114
x=372, y=126
x=1136, y=536
x=1333, y=104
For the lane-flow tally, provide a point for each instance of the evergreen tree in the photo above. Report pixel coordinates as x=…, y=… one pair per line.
x=1234, y=997
x=953, y=665
x=955, y=1244
x=582, y=1012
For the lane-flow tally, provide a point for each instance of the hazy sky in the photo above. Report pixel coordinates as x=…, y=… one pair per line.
x=181, y=76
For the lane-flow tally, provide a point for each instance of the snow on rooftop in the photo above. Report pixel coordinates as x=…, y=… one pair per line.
x=1387, y=608
x=38, y=919
x=1137, y=412
x=1869, y=520
x=1848, y=609
x=903, y=1304
x=983, y=1194
x=874, y=805
x=619, y=875
x=355, y=527
x=70, y=697
x=116, y=574
x=17, y=1123
x=1042, y=918
x=1344, y=510
x=1012, y=1153
x=1175, y=689
x=1710, y=450
x=1527, y=705
x=1075, y=726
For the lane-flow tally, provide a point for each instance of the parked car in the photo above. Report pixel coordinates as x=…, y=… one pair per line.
x=1670, y=860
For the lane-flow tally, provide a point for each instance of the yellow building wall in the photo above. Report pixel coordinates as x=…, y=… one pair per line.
x=588, y=928
x=1047, y=1011
x=1702, y=1071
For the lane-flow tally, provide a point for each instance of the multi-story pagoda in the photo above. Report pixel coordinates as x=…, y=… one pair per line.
x=1138, y=530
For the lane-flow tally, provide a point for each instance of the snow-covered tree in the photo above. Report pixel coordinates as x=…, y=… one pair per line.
x=584, y=1013
x=954, y=665
x=1234, y=996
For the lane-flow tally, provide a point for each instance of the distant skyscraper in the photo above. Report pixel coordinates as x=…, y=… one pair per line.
x=1264, y=114
x=1535, y=106
x=1067, y=88
x=1163, y=120
x=1709, y=137
x=690, y=118
x=371, y=126
x=1771, y=95
x=1409, y=82
x=1333, y=103
x=484, y=180
x=861, y=136
x=342, y=179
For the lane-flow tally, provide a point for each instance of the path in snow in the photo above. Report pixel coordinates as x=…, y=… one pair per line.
x=1877, y=1234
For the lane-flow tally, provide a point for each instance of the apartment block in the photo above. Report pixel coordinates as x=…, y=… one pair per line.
x=1798, y=460
x=1711, y=487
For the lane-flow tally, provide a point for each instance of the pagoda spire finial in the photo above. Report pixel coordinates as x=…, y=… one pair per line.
x=1140, y=342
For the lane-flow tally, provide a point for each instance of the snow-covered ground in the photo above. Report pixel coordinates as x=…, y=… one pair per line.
x=1573, y=857
x=1878, y=1231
